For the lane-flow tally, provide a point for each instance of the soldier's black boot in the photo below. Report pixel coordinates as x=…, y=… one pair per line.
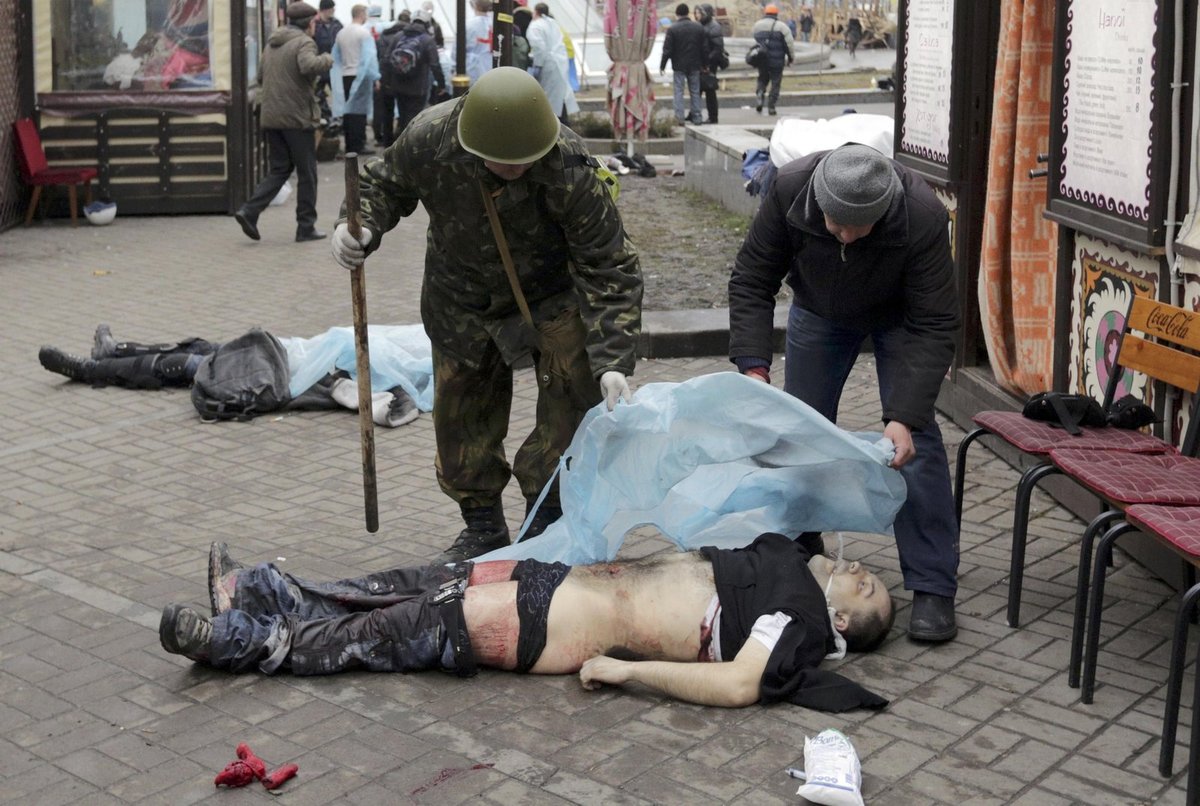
x=486, y=531
x=71, y=366
x=546, y=514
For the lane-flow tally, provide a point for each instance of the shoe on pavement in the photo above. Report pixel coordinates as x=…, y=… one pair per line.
x=771, y=111
x=183, y=631
x=71, y=366
x=932, y=618
x=309, y=235
x=249, y=224
x=222, y=577
x=103, y=343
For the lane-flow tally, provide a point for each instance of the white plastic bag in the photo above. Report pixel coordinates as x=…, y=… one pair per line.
x=833, y=775
x=283, y=195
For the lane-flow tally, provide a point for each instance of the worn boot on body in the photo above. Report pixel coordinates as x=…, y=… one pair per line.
x=183, y=631
x=932, y=618
x=486, y=531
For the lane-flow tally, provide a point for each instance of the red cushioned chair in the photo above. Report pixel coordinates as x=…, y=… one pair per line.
x=1039, y=438
x=1179, y=529
x=36, y=172
x=1123, y=480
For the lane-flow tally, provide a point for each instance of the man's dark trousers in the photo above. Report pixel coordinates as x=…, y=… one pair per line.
x=353, y=126
x=772, y=77
x=820, y=355
x=289, y=149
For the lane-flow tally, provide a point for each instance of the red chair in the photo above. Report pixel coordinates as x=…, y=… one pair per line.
x=1040, y=438
x=1179, y=529
x=36, y=172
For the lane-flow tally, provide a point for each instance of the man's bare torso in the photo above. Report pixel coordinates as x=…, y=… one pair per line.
x=650, y=609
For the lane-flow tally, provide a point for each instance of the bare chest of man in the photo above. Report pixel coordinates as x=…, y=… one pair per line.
x=651, y=609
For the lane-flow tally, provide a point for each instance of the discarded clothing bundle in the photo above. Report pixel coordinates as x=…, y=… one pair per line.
x=716, y=460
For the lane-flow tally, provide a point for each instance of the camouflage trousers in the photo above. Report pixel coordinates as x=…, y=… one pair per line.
x=471, y=409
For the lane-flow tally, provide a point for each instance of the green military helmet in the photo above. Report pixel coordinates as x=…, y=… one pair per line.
x=506, y=118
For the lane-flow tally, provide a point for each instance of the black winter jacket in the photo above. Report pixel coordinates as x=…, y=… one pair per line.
x=684, y=46
x=900, y=275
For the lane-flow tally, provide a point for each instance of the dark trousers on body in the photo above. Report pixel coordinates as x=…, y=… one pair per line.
x=820, y=355
x=403, y=620
x=288, y=150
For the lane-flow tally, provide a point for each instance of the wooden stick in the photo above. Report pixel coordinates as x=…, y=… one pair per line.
x=362, y=355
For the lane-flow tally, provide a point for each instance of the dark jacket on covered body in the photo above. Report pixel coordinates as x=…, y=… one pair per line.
x=684, y=46
x=290, y=68
x=417, y=83
x=900, y=275
x=564, y=233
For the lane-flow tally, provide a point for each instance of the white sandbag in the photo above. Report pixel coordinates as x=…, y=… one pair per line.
x=796, y=137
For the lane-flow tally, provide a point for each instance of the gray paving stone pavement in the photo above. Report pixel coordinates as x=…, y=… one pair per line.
x=109, y=499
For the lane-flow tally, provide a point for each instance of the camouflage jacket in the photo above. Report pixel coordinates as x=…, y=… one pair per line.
x=563, y=230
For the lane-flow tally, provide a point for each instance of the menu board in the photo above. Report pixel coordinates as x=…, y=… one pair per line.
x=924, y=125
x=1110, y=98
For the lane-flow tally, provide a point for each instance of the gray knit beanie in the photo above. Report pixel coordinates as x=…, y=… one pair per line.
x=854, y=185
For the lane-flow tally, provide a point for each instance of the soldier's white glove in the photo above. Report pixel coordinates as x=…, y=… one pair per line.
x=614, y=387
x=348, y=252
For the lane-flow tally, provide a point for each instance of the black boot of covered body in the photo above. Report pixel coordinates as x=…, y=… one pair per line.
x=152, y=371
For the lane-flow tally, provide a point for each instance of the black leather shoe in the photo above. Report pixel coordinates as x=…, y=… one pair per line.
x=932, y=618
x=309, y=235
x=249, y=224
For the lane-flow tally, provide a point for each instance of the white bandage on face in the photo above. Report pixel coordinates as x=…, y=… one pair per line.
x=838, y=640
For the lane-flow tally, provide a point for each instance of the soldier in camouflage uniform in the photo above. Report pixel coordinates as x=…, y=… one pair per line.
x=577, y=269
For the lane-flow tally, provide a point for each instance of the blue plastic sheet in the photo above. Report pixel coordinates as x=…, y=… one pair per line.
x=716, y=460
x=400, y=356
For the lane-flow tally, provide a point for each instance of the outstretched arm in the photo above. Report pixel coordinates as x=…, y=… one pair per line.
x=731, y=684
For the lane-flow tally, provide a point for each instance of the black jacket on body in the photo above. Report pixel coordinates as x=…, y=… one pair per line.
x=900, y=275
x=684, y=46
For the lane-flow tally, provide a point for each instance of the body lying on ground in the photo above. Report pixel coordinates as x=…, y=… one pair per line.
x=763, y=617
x=318, y=369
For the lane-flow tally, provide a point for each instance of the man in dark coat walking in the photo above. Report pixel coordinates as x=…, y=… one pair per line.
x=289, y=117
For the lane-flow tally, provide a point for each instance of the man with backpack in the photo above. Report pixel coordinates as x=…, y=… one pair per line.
x=776, y=39
x=409, y=58
x=715, y=58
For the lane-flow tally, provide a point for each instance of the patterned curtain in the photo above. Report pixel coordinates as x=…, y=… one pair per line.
x=1016, y=278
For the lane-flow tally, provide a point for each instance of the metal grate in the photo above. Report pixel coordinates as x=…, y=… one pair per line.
x=12, y=194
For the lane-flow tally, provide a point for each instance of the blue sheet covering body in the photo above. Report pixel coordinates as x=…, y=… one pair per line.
x=400, y=356
x=716, y=460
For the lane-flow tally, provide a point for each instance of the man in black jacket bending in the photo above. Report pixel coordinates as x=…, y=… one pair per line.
x=863, y=243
